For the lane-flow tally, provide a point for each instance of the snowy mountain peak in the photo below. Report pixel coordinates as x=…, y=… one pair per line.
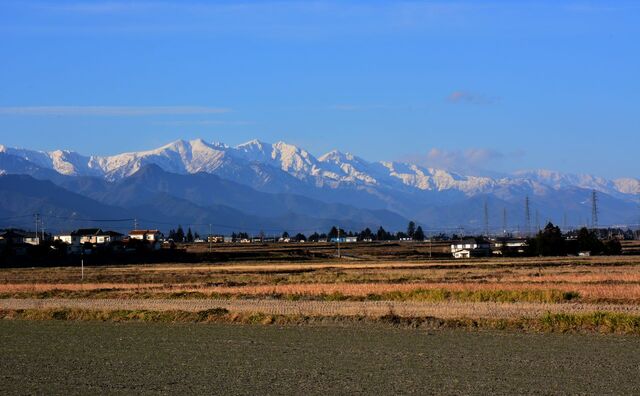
x=336, y=156
x=253, y=145
x=265, y=164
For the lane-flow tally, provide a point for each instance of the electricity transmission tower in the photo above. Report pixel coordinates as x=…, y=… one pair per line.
x=594, y=209
x=527, y=216
x=504, y=221
x=486, y=219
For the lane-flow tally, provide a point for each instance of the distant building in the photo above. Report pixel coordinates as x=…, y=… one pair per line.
x=70, y=238
x=14, y=237
x=146, y=235
x=471, y=247
x=348, y=239
x=510, y=245
x=216, y=239
x=110, y=237
x=94, y=236
x=88, y=235
x=32, y=238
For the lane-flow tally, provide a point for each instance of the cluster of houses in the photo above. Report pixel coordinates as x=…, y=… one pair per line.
x=480, y=247
x=85, y=240
x=228, y=239
x=81, y=240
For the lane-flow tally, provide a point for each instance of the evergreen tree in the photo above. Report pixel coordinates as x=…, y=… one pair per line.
x=548, y=242
x=613, y=247
x=382, y=235
x=189, y=235
x=411, y=229
x=179, y=237
x=366, y=234
x=589, y=242
x=419, y=234
x=285, y=235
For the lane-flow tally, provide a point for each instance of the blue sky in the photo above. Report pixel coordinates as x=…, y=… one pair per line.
x=499, y=85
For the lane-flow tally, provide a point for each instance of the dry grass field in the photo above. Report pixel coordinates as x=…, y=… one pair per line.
x=508, y=288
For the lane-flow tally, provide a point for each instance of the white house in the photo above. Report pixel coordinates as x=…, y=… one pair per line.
x=108, y=237
x=513, y=245
x=31, y=238
x=146, y=235
x=94, y=236
x=471, y=247
x=70, y=238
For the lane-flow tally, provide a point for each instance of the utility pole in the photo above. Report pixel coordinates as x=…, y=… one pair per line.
x=37, y=216
x=135, y=224
x=338, y=242
x=209, y=238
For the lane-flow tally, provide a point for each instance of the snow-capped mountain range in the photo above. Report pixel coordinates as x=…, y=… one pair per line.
x=333, y=169
x=412, y=191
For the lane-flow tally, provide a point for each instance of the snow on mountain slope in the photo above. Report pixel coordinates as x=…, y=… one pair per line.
x=284, y=166
x=559, y=180
x=628, y=186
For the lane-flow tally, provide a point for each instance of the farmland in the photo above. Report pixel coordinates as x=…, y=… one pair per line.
x=95, y=357
x=324, y=324
x=492, y=288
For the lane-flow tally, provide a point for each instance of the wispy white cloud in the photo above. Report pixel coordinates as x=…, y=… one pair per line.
x=364, y=107
x=204, y=122
x=472, y=159
x=99, y=7
x=470, y=98
x=110, y=110
x=590, y=7
x=306, y=19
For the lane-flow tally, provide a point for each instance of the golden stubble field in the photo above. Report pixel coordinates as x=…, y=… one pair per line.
x=508, y=287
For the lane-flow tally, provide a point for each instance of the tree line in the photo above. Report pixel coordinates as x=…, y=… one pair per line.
x=413, y=232
x=551, y=242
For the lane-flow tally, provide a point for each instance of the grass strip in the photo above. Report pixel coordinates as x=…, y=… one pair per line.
x=596, y=322
x=422, y=295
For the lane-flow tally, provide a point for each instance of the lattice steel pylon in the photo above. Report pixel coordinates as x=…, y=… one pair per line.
x=527, y=216
x=594, y=209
